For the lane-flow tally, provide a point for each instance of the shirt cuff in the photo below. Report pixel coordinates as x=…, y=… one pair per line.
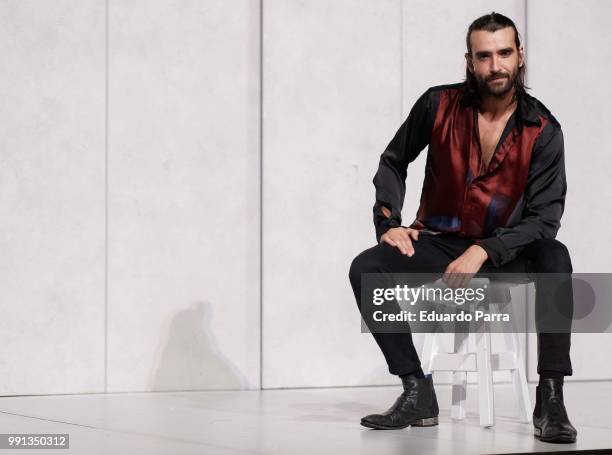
x=384, y=226
x=495, y=248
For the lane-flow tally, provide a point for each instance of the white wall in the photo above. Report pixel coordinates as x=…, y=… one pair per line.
x=52, y=197
x=129, y=196
x=571, y=54
x=336, y=90
x=331, y=90
x=183, y=221
x=133, y=151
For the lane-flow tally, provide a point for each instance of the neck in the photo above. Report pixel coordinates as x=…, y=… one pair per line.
x=494, y=107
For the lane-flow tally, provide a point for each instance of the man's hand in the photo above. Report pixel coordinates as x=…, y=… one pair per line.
x=459, y=272
x=401, y=238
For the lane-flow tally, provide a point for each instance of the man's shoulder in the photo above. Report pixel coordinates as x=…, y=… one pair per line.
x=541, y=110
x=454, y=87
x=431, y=96
x=549, y=143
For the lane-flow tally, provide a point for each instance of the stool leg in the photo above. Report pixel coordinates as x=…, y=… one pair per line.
x=485, y=377
x=459, y=379
x=430, y=348
x=519, y=382
x=519, y=378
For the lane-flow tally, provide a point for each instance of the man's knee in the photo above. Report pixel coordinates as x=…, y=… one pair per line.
x=364, y=262
x=550, y=256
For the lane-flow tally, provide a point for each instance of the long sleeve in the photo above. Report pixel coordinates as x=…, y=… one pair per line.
x=390, y=179
x=544, y=201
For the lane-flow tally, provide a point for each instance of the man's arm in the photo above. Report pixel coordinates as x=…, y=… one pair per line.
x=390, y=179
x=544, y=201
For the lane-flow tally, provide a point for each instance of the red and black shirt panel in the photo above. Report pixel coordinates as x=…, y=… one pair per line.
x=518, y=199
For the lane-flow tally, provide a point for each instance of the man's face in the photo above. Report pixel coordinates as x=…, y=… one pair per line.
x=494, y=61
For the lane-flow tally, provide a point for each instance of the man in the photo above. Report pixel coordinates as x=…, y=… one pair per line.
x=492, y=200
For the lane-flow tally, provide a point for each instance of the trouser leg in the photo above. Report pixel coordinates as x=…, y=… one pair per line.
x=551, y=263
x=432, y=255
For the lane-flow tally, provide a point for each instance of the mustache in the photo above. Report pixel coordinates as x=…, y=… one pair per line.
x=497, y=76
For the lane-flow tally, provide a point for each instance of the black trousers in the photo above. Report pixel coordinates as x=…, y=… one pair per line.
x=432, y=254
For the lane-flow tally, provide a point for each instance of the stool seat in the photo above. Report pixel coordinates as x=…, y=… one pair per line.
x=472, y=352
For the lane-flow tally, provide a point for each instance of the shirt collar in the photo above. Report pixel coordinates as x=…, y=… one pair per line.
x=528, y=111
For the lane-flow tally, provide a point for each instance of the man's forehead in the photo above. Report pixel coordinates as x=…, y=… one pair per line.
x=483, y=40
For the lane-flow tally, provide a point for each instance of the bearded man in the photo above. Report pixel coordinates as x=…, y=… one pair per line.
x=492, y=199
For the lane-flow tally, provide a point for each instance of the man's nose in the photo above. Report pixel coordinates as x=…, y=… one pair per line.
x=494, y=64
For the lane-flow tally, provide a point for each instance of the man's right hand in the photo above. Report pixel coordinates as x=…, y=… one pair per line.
x=401, y=238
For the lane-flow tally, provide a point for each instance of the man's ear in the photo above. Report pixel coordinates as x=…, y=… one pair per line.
x=468, y=60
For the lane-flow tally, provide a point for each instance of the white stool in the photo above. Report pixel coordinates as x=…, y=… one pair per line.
x=472, y=352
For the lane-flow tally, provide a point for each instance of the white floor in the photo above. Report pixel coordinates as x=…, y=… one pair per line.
x=302, y=421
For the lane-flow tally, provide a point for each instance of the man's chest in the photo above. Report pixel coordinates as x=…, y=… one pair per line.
x=465, y=146
x=489, y=134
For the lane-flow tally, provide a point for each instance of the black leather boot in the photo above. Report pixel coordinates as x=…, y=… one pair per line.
x=550, y=422
x=416, y=406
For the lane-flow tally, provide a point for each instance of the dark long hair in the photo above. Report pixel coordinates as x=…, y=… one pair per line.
x=490, y=23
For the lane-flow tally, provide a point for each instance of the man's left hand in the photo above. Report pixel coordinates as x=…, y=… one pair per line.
x=459, y=272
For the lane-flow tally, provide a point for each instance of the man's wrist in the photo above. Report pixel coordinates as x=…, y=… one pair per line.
x=480, y=251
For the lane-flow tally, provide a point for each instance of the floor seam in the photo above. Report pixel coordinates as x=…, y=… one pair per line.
x=154, y=436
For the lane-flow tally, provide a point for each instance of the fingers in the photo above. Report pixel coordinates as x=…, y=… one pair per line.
x=456, y=279
x=467, y=278
x=403, y=243
x=386, y=239
x=399, y=238
x=451, y=277
x=453, y=280
x=408, y=248
x=414, y=233
x=448, y=278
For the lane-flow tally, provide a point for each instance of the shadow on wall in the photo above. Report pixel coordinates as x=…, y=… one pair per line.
x=188, y=357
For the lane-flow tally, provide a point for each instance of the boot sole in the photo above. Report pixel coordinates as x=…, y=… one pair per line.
x=428, y=422
x=562, y=438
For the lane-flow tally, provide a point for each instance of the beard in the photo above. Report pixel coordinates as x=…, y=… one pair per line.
x=497, y=88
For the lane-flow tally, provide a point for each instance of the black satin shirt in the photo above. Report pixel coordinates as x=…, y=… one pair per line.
x=521, y=196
